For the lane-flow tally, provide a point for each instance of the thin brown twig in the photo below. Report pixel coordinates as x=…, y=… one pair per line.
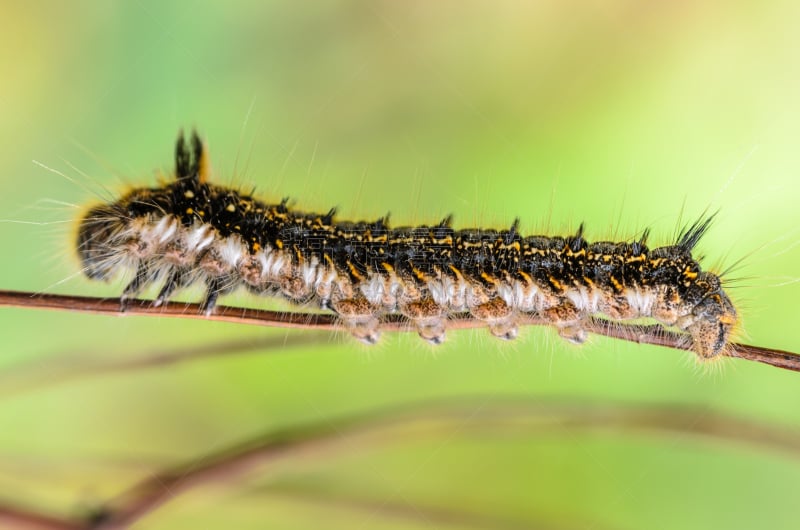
x=500, y=416
x=642, y=334
x=22, y=519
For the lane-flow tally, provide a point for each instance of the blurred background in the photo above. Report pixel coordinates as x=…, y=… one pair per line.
x=622, y=114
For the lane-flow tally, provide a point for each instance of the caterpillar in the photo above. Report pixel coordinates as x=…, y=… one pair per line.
x=190, y=231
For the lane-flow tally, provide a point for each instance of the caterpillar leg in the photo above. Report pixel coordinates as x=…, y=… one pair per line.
x=568, y=320
x=428, y=318
x=215, y=287
x=135, y=286
x=358, y=316
x=500, y=317
x=177, y=279
x=573, y=333
x=210, y=300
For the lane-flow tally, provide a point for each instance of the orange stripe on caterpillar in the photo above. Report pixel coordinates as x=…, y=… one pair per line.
x=191, y=231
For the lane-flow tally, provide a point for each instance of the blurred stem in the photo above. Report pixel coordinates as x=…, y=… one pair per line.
x=422, y=513
x=67, y=367
x=19, y=518
x=643, y=334
x=484, y=416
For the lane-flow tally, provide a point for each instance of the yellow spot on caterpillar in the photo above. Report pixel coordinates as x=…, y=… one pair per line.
x=355, y=272
x=526, y=277
x=279, y=244
x=387, y=267
x=555, y=283
x=189, y=211
x=488, y=278
x=231, y=208
x=618, y=286
x=419, y=274
x=457, y=272
x=189, y=194
x=256, y=247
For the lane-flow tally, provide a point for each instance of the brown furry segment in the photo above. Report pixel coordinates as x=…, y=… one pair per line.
x=190, y=231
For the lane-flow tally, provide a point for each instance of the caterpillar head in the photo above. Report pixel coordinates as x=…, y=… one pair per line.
x=714, y=318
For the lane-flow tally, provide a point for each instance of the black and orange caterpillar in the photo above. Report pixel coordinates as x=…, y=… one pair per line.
x=190, y=231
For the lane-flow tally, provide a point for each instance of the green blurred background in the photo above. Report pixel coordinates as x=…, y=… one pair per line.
x=621, y=114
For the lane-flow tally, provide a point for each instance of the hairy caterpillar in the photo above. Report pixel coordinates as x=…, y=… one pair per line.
x=190, y=231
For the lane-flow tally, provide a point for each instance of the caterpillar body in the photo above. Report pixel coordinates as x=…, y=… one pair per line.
x=190, y=230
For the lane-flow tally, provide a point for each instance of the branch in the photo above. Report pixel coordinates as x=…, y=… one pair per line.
x=642, y=334
x=20, y=518
x=486, y=416
x=392, y=424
